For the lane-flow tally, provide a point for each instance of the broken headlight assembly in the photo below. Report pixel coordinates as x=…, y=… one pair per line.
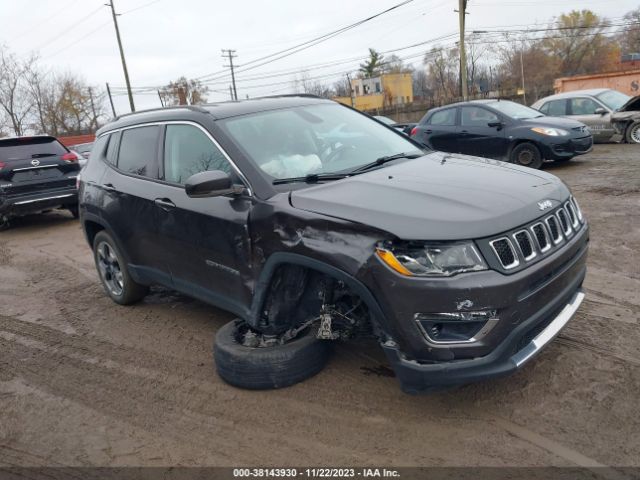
x=432, y=259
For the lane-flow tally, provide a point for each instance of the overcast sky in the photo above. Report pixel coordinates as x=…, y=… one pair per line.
x=164, y=39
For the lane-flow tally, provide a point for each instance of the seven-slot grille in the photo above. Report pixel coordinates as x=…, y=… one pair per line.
x=538, y=238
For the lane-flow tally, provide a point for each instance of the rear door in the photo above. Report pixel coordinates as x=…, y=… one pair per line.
x=130, y=188
x=476, y=137
x=583, y=109
x=439, y=131
x=36, y=165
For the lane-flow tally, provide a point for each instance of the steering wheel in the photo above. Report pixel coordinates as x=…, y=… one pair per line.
x=336, y=152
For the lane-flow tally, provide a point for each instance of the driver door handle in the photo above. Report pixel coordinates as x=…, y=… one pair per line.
x=108, y=187
x=165, y=204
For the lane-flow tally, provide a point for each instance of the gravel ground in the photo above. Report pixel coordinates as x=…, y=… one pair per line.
x=85, y=382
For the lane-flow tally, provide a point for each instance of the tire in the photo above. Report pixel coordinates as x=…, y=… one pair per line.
x=4, y=223
x=267, y=367
x=527, y=155
x=74, y=211
x=632, y=133
x=113, y=272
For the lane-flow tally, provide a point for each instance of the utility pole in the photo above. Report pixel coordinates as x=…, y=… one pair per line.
x=524, y=92
x=124, y=63
x=113, y=109
x=94, y=120
x=230, y=54
x=353, y=104
x=462, y=11
x=231, y=91
x=160, y=97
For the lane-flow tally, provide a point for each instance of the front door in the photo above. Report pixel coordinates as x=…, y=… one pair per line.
x=205, y=240
x=440, y=131
x=583, y=109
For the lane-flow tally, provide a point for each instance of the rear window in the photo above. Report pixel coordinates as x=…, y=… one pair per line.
x=444, y=117
x=30, y=147
x=137, y=153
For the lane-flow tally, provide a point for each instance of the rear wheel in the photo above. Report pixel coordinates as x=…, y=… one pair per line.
x=632, y=135
x=266, y=367
x=527, y=155
x=113, y=272
x=4, y=222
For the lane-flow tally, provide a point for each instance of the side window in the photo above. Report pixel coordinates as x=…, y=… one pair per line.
x=545, y=108
x=444, y=117
x=137, y=153
x=99, y=147
x=187, y=151
x=112, y=149
x=555, y=108
x=477, y=117
x=583, y=106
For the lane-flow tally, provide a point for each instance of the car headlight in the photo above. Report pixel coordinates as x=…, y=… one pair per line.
x=552, y=132
x=432, y=259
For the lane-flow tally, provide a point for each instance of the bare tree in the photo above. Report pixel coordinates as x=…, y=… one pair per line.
x=184, y=92
x=305, y=84
x=420, y=82
x=630, y=38
x=342, y=87
x=15, y=102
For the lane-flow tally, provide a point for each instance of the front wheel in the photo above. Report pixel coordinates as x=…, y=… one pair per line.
x=527, y=155
x=266, y=367
x=632, y=135
x=113, y=271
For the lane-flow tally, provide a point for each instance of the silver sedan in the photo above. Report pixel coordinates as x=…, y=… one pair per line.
x=610, y=115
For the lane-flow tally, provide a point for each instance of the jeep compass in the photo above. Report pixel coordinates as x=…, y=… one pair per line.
x=313, y=223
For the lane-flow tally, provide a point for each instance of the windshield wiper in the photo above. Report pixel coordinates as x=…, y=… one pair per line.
x=311, y=178
x=385, y=159
x=40, y=155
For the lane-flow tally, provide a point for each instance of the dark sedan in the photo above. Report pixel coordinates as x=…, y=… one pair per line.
x=503, y=130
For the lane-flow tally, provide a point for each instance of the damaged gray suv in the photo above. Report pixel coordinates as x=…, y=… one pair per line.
x=314, y=223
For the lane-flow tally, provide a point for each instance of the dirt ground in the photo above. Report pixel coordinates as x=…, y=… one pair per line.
x=86, y=382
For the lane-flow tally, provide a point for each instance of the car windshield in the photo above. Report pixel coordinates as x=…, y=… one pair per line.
x=613, y=99
x=313, y=139
x=515, y=110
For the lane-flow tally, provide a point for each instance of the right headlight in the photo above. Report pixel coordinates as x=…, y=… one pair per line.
x=552, y=132
x=432, y=259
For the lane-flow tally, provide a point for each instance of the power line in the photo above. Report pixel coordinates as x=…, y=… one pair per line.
x=66, y=29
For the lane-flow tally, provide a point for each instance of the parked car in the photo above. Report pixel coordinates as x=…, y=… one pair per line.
x=463, y=268
x=503, y=130
x=609, y=114
x=401, y=127
x=84, y=150
x=36, y=173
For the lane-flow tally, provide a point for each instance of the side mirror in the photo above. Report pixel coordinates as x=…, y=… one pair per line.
x=600, y=111
x=212, y=183
x=497, y=124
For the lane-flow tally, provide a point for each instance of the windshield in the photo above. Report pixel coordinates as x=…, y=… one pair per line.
x=515, y=110
x=313, y=139
x=613, y=99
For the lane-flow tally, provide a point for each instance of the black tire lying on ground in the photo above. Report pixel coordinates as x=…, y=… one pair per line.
x=264, y=368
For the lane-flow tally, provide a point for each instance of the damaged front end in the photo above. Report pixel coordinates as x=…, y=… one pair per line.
x=626, y=118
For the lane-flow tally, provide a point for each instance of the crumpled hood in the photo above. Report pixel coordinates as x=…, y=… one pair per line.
x=437, y=197
x=632, y=105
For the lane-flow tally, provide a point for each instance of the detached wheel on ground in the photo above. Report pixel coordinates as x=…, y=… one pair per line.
x=261, y=368
x=527, y=155
x=632, y=135
x=113, y=272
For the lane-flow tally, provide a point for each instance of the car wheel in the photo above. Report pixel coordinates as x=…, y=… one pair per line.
x=4, y=223
x=632, y=135
x=527, y=155
x=113, y=272
x=74, y=211
x=261, y=368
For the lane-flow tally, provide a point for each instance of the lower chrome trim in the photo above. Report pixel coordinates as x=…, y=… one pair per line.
x=24, y=202
x=39, y=167
x=550, y=332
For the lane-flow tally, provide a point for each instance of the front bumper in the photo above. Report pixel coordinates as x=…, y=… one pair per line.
x=35, y=202
x=525, y=342
x=561, y=149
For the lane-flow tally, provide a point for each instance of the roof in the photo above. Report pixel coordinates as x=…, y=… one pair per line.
x=573, y=93
x=218, y=111
x=485, y=101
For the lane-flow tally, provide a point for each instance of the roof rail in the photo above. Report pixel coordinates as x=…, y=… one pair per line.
x=195, y=108
x=284, y=95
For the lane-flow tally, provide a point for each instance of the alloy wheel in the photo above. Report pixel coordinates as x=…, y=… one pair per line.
x=109, y=267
